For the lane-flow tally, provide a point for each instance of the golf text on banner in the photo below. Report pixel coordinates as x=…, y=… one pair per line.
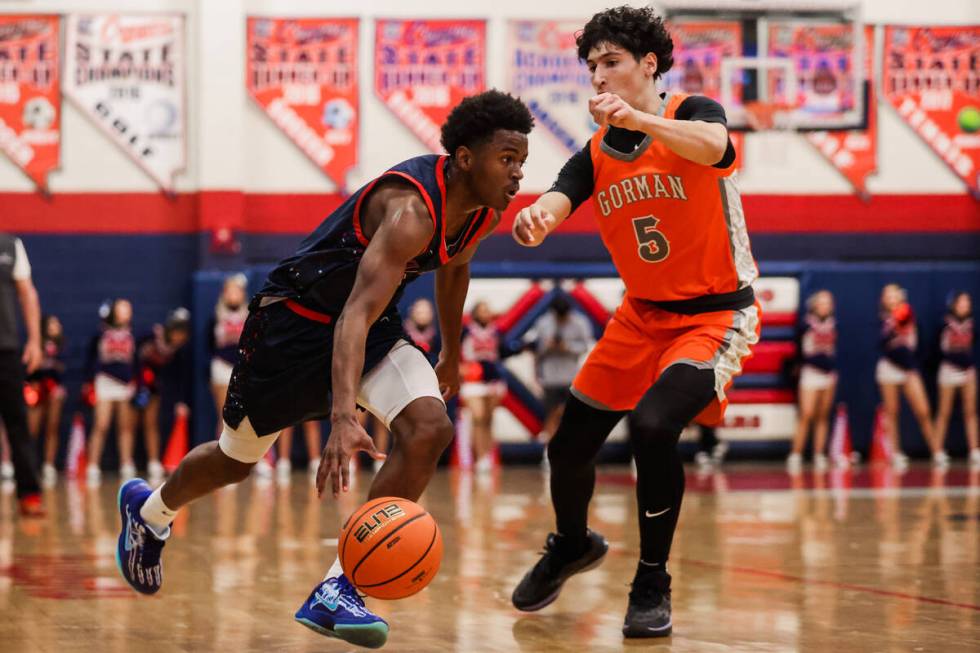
x=698, y=51
x=546, y=73
x=854, y=152
x=423, y=68
x=930, y=76
x=303, y=73
x=30, y=94
x=126, y=73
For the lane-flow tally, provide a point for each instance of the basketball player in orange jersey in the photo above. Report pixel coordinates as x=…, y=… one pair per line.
x=324, y=335
x=659, y=171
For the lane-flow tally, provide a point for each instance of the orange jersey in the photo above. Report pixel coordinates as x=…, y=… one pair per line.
x=675, y=228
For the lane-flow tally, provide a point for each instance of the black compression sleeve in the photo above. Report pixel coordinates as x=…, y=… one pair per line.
x=575, y=181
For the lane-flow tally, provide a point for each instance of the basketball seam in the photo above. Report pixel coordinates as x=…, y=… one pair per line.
x=435, y=534
x=369, y=506
x=384, y=539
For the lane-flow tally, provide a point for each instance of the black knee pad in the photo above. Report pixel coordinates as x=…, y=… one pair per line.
x=677, y=397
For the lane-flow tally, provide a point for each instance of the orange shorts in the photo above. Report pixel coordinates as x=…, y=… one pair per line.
x=641, y=341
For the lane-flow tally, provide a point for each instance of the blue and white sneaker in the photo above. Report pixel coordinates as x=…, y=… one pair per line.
x=335, y=609
x=138, y=549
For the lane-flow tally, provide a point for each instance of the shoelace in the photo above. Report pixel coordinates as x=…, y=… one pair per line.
x=346, y=589
x=550, y=560
x=646, y=591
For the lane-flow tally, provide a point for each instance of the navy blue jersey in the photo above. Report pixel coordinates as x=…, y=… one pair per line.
x=818, y=342
x=52, y=367
x=321, y=274
x=899, y=337
x=226, y=329
x=956, y=342
x=112, y=352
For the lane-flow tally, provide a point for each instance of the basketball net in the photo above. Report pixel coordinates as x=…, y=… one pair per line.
x=772, y=122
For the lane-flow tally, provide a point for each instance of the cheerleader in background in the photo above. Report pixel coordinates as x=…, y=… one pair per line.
x=154, y=353
x=229, y=319
x=111, y=371
x=958, y=371
x=897, y=370
x=284, y=466
x=818, y=379
x=45, y=394
x=482, y=387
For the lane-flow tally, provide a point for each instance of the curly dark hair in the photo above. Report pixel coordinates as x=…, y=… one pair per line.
x=477, y=117
x=636, y=30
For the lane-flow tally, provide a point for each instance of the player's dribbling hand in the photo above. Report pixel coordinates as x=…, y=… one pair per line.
x=532, y=225
x=347, y=437
x=610, y=109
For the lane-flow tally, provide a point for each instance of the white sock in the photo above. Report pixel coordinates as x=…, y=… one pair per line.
x=157, y=515
x=335, y=570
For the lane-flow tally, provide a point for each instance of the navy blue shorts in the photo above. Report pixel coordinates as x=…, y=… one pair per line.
x=283, y=372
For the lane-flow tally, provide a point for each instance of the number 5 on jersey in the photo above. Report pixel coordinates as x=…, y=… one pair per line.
x=652, y=246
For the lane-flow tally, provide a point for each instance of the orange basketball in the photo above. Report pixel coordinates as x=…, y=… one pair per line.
x=390, y=548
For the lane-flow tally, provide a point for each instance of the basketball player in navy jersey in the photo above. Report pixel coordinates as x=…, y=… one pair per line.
x=324, y=335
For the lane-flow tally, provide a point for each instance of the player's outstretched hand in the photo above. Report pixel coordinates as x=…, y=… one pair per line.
x=347, y=437
x=532, y=224
x=610, y=109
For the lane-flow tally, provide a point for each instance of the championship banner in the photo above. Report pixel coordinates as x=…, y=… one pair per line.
x=698, y=51
x=546, y=73
x=30, y=94
x=930, y=76
x=126, y=73
x=699, y=48
x=303, y=73
x=854, y=152
x=423, y=68
x=822, y=56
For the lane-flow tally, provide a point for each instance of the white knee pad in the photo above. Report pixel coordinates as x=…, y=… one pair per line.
x=244, y=444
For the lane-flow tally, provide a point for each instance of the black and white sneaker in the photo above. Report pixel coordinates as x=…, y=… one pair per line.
x=648, y=614
x=559, y=562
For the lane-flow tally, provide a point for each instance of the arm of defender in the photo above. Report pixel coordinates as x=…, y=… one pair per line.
x=404, y=231
x=695, y=140
x=533, y=223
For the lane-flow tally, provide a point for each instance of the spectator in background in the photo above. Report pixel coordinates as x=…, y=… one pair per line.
x=165, y=346
x=711, y=449
x=111, y=371
x=818, y=379
x=897, y=370
x=15, y=281
x=958, y=371
x=45, y=393
x=562, y=336
x=229, y=320
x=482, y=387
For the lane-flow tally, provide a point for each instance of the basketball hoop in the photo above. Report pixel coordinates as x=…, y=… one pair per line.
x=766, y=116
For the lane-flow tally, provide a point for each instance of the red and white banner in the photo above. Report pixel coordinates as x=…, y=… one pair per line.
x=303, y=73
x=698, y=52
x=126, y=73
x=423, y=68
x=929, y=74
x=854, y=152
x=30, y=94
x=546, y=73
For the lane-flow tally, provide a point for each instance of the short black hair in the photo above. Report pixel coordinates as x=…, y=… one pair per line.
x=636, y=30
x=477, y=117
